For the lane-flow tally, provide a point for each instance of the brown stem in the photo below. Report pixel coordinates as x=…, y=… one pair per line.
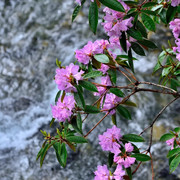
x=152, y=166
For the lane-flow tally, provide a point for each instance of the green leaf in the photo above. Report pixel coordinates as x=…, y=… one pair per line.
x=177, y=72
x=92, y=74
x=124, y=112
x=166, y=137
x=78, y=96
x=74, y=125
x=117, y=92
x=79, y=121
x=91, y=109
x=141, y=157
x=43, y=154
x=171, y=12
x=88, y=85
x=123, y=41
x=52, y=121
x=110, y=159
x=148, y=22
x=113, y=4
x=77, y=10
x=131, y=3
x=166, y=71
x=133, y=138
x=173, y=152
x=162, y=15
x=129, y=173
x=177, y=129
x=39, y=153
x=141, y=28
x=130, y=103
x=102, y=58
x=93, y=17
x=113, y=76
x=149, y=4
x=134, y=33
x=137, y=49
x=113, y=117
x=148, y=44
x=174, y=163
x=174, y=84
x=153, y=13
x=76, y=139
x=57, y=96
x=130, y=60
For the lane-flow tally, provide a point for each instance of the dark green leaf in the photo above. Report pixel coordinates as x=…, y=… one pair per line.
x=110, y=159
x=166, y=71
x=153, y=13
x=174, y=84
x=76, y=10
x=129, y=173
x=171, y=12
x=57, y=96
x=113, y=4
x=124, y=112
x=78, y=96
x=102, y=58
x=74, y=125
x=92, y=74
x=130, y=3
x=39, y=153
x=123, y=41
x=148, y=22
x=141, y=28
x=76, y=139
x=135, y=34
x=177, y=129
x=162, y=15
x=88, y=85
x=141, y=157
x=93, y=16
x=117, y=92
x=112, y=74
x=130, y=103
x=137, y=49
x=133, y=138
x=43, y=154
x=52, y=121
x=113, y=117
x=174, y=163
x=166, y=137
x=173, y=152
x=148, y=44
x=79, y=121
x=130, y=60
x=149, y=4
x=131, y=11
x=91, y=109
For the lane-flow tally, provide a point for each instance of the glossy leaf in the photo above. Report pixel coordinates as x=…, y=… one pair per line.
x=149, y=4
x=133, y=138
x=52, y=121
x=166, y=137
x=113, y=4
x=57, y=96
x=113, y=76
x=102, y=58
x=174, y=163
x=135, y=34
x=141, y=157
x=148, y=22
x=88, y=85
x=141, y=28
x=124, y=112
x=92, y=74
x=130, y=103
x=91, y=109
x=148, y=43
x=123, y=41
x=130, y=60
x=171, y=12
x=78, y=96
x=117, y=92
x=173, y=152
x=93, y=16
x=76, y=139
x=137, y=49
x=110, y=159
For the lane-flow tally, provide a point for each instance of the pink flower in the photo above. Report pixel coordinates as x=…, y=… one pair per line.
x=175, y=3
x=65, y=77
x=123, y=158
x=102, y=173
x=105, y=80
x=104, y=68
x=62, y=111
x=170, y=142
x=79, y=2
x=109, y=140
x=118, y=173
x=110, y=101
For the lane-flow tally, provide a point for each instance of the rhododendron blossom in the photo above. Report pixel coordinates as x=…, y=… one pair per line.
x=102, y=173
x=175, y=3
x=110, y=102
x=123, y=158
x=65, y=77
x=62, y=111
x=79, y=2
x=110, y=140
x=90, y=49
x=118, y=173
x=104, y=68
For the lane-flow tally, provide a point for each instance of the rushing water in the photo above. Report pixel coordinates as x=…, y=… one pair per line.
x=33, y=34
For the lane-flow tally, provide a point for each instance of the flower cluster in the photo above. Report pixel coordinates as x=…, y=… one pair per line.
x=175, y=3
x=79, y=2
x=110, y=141
x=175, y=26
x=65, y=78
x=114, y=25
x=62, y=111
x=90, y=49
